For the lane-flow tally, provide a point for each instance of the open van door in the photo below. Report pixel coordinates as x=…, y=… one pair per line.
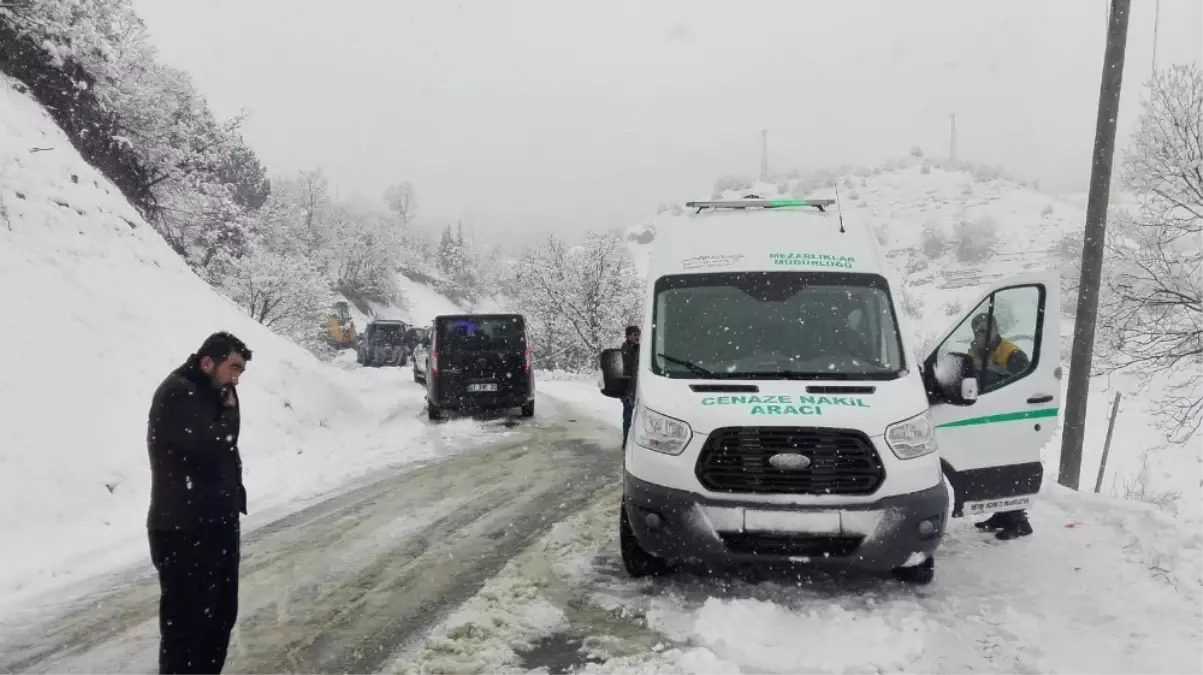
x=995, y=400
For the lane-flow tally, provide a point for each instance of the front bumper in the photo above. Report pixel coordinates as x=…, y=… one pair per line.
x=878, y=536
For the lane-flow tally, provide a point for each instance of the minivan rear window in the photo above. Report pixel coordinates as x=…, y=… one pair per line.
x=480, y=333
x=389, y=333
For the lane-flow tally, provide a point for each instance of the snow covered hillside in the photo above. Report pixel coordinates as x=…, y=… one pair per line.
x=932, y=224
x=102, y=309
x=420, y=305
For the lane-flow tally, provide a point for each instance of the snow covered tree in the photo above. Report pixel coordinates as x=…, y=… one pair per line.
x=246, y=176
x=364, y=255
x=457, y=263
x=403, y=201
x=1152, y=305
x=284, y=292
x=976, y=238
x=932, y=240
x=577, y=299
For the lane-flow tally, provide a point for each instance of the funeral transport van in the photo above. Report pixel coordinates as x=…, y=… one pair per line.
x=781, y=414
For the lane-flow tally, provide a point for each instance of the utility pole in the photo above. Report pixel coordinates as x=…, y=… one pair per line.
x=1156, y=24
x=1092, y=246
x=952, y=137
x=1098, y=482
x=764, y=155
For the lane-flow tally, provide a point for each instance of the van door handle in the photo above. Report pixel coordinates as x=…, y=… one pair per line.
x=1040, y=398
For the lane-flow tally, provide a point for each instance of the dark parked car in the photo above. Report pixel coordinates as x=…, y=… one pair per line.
x=479, y=362
x=382, y=344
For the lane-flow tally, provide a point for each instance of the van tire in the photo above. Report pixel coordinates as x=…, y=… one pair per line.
x=920, y=575
x=433, y=412
x=637, y=561
x=528, y=409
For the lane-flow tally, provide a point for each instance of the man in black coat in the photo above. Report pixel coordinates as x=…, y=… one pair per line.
x=196, y=497
x=630, y=359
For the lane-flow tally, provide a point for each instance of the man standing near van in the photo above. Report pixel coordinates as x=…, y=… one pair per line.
x=196, y=497
x=1003, y=360
x=630, y=361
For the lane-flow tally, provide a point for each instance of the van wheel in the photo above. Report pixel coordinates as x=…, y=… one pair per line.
x=920, y=575
x=416, y=378
x=638, y=562
x=433, y=412
x=528, y=410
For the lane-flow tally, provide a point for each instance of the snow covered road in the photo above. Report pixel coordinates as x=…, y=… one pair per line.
x=343, y=584
x=1100, y=588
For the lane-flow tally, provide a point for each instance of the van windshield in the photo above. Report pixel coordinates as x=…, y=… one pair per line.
x=482, y=333
x=775, y=325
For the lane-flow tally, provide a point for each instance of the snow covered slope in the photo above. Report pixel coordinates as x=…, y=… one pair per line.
x=1035, y=230
x=99, y=310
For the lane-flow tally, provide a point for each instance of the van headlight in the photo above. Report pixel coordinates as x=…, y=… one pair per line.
x=660, y=433
x=912, y=437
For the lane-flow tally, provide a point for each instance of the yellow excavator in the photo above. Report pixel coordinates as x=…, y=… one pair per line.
x=340, y=327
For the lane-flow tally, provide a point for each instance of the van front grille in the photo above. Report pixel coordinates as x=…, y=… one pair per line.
x=841, y=461
x=792, y=545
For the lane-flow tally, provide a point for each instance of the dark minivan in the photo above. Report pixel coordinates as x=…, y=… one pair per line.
x=479, y=362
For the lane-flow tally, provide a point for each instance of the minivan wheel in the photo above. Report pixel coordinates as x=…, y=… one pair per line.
x=638, y=562
x=433, y=412
x=921, y=574
x=528, y=409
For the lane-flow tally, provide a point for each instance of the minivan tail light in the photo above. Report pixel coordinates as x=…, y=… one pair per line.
x=526, y=357
x=434, y=364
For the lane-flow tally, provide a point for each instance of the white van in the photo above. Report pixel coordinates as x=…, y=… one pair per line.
x=780, y=415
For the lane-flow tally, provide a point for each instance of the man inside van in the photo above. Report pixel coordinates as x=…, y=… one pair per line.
x=630, y=362
x=1004, y=360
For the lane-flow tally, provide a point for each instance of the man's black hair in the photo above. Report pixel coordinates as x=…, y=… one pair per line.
x=219, y=346
x=632, y=330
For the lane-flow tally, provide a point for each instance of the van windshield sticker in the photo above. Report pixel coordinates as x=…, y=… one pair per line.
x=786, y=404
x=845, y=262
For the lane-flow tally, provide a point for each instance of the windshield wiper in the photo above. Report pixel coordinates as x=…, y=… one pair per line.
x=693, y=367
x=820, y=375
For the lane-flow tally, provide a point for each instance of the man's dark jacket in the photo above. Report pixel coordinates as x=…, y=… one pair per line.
x=630, y=360
x=195, y=468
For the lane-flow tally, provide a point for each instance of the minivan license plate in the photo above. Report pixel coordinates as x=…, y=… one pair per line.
x=489, y=386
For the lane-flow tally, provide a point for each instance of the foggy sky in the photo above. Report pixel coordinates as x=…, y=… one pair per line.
x=523, y=117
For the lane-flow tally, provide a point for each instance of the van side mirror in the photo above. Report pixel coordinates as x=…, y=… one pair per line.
x=969, y=390
x=949, y=379
x=615, y=379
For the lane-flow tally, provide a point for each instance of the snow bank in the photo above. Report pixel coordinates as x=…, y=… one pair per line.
x=101, y=311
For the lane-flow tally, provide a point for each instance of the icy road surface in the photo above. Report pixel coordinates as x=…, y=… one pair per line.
x=344, y=584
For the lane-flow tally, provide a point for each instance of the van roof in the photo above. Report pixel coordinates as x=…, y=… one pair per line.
x=801, y=239
x=448, y=317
